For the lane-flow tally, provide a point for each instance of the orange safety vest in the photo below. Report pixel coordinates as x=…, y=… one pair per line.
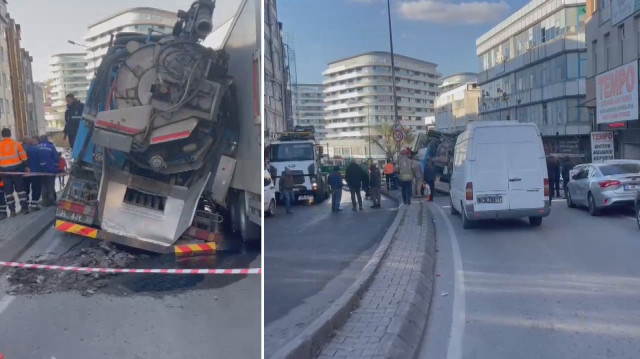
x=11, y=153
x=388, y=168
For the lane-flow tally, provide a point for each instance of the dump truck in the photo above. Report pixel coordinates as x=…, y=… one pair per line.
x=169, y=145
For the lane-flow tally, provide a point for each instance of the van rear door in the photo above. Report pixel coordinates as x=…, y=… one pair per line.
x=489, y=173
x=527, y=169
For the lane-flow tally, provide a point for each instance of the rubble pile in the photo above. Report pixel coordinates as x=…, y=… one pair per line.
x=100, y=254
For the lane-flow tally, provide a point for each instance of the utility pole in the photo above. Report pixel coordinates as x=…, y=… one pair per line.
x=393, y=72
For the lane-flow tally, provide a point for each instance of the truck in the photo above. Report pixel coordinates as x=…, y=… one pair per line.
x=169, y=144
x=299, y=152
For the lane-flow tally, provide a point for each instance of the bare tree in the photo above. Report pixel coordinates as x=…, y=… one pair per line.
x=382, y=136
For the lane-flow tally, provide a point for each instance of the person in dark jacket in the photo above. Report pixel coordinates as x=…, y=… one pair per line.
x=375, y=185
x=72, y=118
x=286, y=188
x=429, y=177
x=354, y=175
x=365, y=183
x=32, y=182
x=335, y=182
x=553, y=169
x=48, y=164
x=566, y=167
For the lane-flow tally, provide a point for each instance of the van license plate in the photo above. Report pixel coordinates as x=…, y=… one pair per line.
x=490, y=199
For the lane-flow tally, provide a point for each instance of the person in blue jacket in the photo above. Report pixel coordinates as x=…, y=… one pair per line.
x=335, y=181
x=48, y=164
x=32, y=182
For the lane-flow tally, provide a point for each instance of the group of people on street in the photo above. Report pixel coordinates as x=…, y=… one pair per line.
x=28, y=169
x=556, y=167
x=357, y=179
x=415, y=178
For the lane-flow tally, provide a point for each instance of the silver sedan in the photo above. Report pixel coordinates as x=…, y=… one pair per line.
x=604, y=185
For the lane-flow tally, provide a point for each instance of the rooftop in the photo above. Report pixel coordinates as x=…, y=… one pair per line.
x=385, y=53
x=136, y=9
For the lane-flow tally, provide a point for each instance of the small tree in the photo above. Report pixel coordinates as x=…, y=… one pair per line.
x=382, y=136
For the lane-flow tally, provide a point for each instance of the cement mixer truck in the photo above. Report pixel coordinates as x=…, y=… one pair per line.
x=169, y=145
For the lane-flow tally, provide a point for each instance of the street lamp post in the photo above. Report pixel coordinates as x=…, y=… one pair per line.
x=93, y=53
x=393, y=71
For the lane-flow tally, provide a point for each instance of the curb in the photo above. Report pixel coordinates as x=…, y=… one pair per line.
x=412, y=314
x=27, y=236
x=312, y=338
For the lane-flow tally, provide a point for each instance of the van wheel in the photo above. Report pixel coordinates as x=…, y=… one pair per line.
x=593, y=210
x=535, y=221
x=271, y=211
x=570, y=203
x=466, y=222
x=451, y=208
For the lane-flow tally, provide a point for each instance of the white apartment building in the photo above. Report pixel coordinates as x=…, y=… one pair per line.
x=7, y=117
x=613, y=49
x=358, y=97
x=136, y=20
x=67, y=75
x=533, y=69
x=308, y=107
x=458, y=102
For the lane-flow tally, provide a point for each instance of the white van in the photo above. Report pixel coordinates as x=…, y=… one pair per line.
x=269, y=195
x=499, y=171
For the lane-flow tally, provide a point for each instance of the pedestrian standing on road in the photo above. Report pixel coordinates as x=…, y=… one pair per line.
x=33, y=181
x=375, y=185
x=72, y=118
x=49, y=165
x=13, y=158
x=335, y=182
x=354, y=176
x=553, y=169
x=417, y=176
x=566, y=168
x=365, y=183
x=430, y=177
x=388, y=173
x=286, y=188
x=405, y=175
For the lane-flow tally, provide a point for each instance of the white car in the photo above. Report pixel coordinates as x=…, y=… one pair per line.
x=269, y=197
x=499, y=172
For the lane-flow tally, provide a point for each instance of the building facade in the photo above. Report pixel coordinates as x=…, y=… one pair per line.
x=358, y=97
x=39, y=105
x=67, y=75
x=275, y=75
x=136, y=20
x=533, y=68
x=7, y=118
x=458, y=102
x=308, y=107
x=613, y=46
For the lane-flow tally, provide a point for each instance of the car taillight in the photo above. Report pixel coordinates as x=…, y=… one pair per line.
x=546, y=187
x=469, y=191
x=610, y=183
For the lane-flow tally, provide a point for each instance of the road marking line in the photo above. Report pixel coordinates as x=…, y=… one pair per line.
x=454, y=349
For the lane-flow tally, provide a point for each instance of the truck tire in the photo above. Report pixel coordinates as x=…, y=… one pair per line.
x=249, y=231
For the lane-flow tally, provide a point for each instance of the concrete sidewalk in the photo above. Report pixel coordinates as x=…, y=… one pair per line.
x=392, y=313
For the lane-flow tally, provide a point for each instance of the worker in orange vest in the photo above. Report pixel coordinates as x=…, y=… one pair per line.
x=13, y=158
x=388, y=173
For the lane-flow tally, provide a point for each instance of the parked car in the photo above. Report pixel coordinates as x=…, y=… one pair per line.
x=604, y=185
x=499, y=171
x=269, y=196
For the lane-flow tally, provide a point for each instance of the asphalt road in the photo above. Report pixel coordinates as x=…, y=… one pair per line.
x=311, y=257
x=138, y=316
x=568, y=289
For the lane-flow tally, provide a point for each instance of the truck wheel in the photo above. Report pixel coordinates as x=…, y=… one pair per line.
x=249, y=231
x=318, y=197
x=535, y=221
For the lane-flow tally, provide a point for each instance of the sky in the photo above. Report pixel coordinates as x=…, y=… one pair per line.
x=439, y=31
x=48, y=24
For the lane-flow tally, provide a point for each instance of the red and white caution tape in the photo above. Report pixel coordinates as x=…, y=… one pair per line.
x=125, y=270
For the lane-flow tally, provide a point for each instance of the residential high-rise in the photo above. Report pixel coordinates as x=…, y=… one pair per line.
x=136, y=20
x=533, y=69
x=358, y=97
x=7, y=118
x=275, y=75
x=67, y=75
x=613, y=50
x=308, y=107
x=457, y=104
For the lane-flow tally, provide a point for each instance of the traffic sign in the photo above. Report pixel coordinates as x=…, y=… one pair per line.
x=397, y=126
x=398, y=135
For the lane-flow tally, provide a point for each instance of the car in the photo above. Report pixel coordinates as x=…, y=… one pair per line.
x=604, y=185
x=637, y=208
x=269, y=196
x=499, y=172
